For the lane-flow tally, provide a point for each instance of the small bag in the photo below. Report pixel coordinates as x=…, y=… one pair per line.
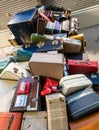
x=10, y=121
x=14, y=72
x=82, y=66
x=72, y=83
x=82, y=103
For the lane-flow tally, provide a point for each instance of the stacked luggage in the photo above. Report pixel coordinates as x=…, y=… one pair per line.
x=57, y=84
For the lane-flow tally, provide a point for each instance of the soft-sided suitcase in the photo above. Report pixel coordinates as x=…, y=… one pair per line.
x=82, y=66
x=13, y=72
x=94, y=77
x=90, y=122
x=22, y=24
x=71, y=45
x=82, y=103
x=46, y=64
x=10, y=121
x=56, y=112
x=72, y=83
x=34, y=120
x=26, y=96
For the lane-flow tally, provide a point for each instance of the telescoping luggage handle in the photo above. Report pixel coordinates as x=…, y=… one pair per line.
x=82, y=62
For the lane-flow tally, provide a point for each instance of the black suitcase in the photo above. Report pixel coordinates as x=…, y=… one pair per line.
x=23, y=24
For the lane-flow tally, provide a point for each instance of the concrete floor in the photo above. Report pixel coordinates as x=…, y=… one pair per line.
x=92, y=41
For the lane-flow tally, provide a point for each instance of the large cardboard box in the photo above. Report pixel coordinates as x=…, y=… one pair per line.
x=45, y=64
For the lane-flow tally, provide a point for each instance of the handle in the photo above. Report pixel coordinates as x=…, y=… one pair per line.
x=84, y=62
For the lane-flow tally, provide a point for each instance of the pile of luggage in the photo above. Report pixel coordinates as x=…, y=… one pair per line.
x=57, y=87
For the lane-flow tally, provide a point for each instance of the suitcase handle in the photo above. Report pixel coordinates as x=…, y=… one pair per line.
x=85, y=62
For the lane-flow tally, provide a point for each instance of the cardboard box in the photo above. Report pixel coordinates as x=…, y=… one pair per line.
x=46, y=64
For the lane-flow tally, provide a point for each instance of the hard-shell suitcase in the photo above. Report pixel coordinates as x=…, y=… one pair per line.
x=77, y=56
x=41, y=26
x=90, y=122
x=4, y=63
x=82, y=66
x=48, y=65
x=94, y=77
x=13, y=72
x=82, y=103
x=23, y=55
x=72, y=83
x=71, y=45
x=80, y=37
x=26, y=96
x=34, y=120
x=65, y=26
x=22, y=24
x=74, y=26
x=44, y=46
x=56, y=112
x=10, y=121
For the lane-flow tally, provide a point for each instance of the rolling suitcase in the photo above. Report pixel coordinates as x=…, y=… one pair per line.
x=90, y=122
x=56, y=112
x=82, y=66
x=34, y=120
x=10, y=121
x=72, y=83
x=82, y=103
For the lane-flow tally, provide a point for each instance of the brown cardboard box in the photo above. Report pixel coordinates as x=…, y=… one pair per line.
x=45, y=64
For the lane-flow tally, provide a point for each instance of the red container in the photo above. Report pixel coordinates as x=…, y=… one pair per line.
x=82, y=66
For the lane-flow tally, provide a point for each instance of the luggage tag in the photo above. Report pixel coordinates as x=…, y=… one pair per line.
x=24, y=88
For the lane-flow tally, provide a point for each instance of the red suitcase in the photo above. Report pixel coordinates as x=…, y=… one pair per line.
x=82, y=66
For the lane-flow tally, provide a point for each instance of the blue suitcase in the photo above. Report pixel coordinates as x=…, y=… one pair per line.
x=23, y=24
x=82, y=103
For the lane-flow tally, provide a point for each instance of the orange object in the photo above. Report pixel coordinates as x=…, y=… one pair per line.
x=10, y=121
